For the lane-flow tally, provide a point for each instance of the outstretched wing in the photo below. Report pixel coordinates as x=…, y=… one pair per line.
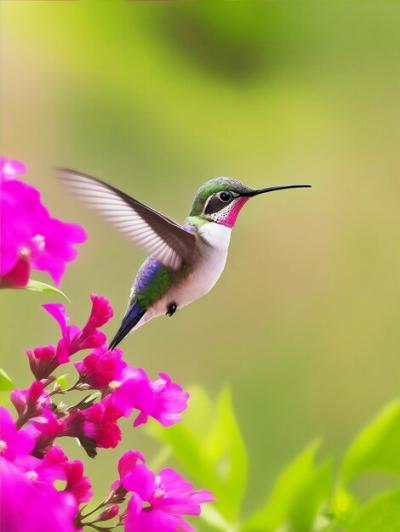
x=161, y=237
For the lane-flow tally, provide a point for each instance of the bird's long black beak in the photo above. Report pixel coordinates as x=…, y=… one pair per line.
x=272, y=189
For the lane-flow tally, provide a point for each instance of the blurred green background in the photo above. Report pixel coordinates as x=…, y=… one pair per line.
x=158, y=97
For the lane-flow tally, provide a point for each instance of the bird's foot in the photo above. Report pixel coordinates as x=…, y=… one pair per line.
x=171, y=308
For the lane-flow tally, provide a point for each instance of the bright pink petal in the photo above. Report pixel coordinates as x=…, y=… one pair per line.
x=152, y=521
x=101, y=367
x=57, y=310
x=29, y=232
x=18, y=277
x=13, y=442
x=170, y=400
x=134, y=392
x=32, y=506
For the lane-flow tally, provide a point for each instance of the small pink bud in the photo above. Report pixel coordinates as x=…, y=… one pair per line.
x=109, y=513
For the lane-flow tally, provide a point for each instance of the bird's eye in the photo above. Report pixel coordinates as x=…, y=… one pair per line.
x=225, y=196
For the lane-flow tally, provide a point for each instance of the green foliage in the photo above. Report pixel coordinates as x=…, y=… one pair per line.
x=298, y=493
x=377, y=447
x=44, y=288
x=61, y=382
x=381, y=513
x=305, y=497
x=210, y=447
x=6, y=385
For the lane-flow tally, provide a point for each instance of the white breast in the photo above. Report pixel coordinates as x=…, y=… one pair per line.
x=213, y=249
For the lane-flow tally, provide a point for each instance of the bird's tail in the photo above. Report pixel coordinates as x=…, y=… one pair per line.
x=131, y=318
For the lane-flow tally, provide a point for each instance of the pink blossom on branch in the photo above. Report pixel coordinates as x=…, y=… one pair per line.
x=96, y=426
x=101, y=367
x=56, y=466
x=29, y=501
x=43, y=361
x=30, y=505
x=14, y=443
x=159, y=501
x=30, y=237
x=30, y=402
x=161, y=399
x=74, y=339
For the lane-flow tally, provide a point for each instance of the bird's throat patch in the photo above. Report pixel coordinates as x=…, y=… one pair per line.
x=229, y=214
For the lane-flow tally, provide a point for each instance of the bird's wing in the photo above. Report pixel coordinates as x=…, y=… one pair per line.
x=161, y=237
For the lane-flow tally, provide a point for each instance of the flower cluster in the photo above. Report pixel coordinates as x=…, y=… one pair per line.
x=30, y=236
x=31, y=460
x=33, y=466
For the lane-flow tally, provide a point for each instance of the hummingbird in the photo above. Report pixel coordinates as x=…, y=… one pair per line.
x=185, y=261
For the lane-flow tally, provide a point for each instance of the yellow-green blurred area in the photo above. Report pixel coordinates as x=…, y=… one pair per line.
x=158, y=97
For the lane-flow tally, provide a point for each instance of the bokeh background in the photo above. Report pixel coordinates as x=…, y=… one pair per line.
x=158, y=97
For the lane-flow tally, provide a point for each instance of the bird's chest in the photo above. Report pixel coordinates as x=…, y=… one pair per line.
x=205, y=272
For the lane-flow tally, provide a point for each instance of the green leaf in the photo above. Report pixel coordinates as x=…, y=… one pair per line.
x=226, y=453
x=61, y=382
x=5, y=400
x=6, y=384
x=38, y=286
x=209, y=445
x=380, y=514
x=298, y=494
x=377, y=447
x=343, y=505
x=183, y=438
x=212, y=517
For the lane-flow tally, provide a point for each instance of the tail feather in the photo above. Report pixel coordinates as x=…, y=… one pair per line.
x=131, y=318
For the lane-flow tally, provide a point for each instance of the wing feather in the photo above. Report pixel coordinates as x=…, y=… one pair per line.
x=161, y=237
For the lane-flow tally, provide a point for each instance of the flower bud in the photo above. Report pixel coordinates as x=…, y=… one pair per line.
x=109, y=513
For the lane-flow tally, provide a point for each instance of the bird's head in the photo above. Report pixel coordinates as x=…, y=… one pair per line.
x=220, y=200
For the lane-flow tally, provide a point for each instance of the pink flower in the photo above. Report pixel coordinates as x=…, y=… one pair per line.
x=56, y=466
x=13, y=442
x=133, y=391
x=18, y=276
x=109, y=513
x=31, y=238
x=49, y=427
x=169, y=400
x=95, y=426
x=77, y=484
x=100, y=314
x=101, y=367
x=30, y=402
x=10, y=169
x=43, y=361
x=161, y=399
x=30, y=505
x=159, y=501
x=74, y=339
x=28, y=500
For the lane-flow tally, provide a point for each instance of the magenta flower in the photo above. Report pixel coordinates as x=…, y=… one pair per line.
x=169, y=400
x=133, y=391
x=30, y=505
x=31, y=402
x=101, y=367
x=10, y=169
x=49, y=427
x=43, y=361
x=31, y=238
x=14, y=442
x=95, y=426
x=75, y=339
x=56, y=466
x=161, y=399
x=158, y=501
